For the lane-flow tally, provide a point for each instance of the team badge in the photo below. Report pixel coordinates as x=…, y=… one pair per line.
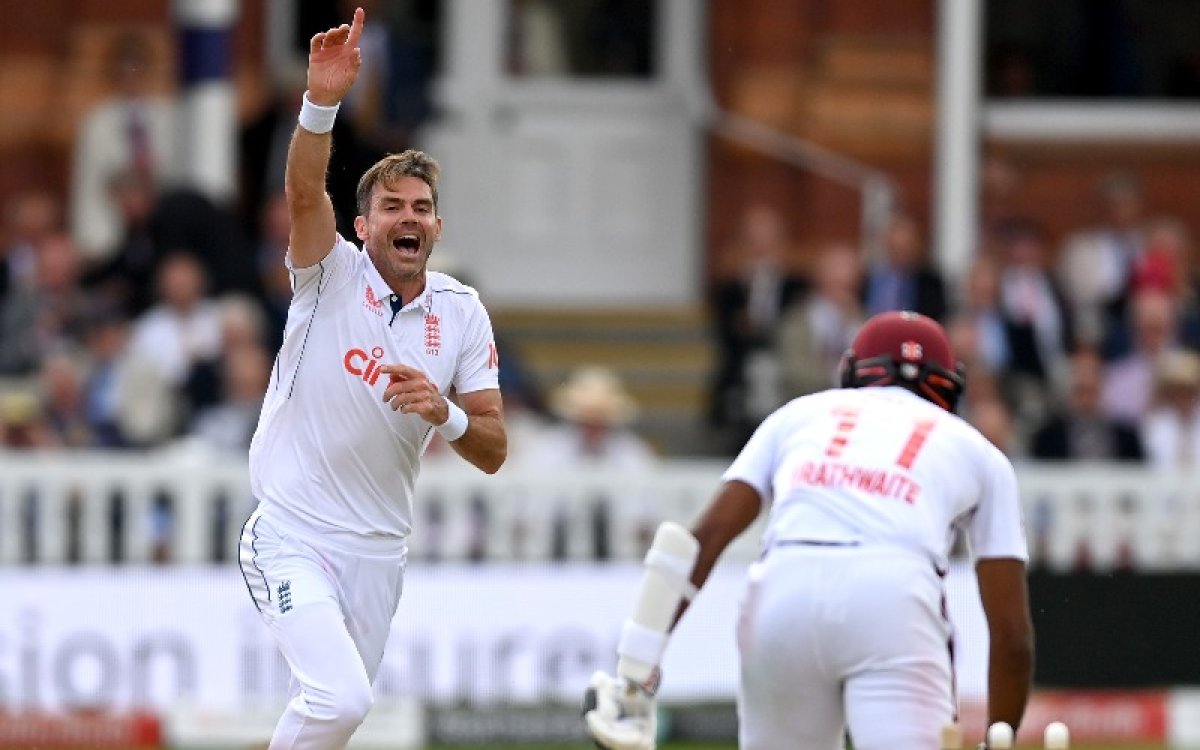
x=911, y=350
x=433, y=334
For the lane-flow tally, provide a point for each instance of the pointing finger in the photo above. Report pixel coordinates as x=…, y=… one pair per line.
x=356, y=28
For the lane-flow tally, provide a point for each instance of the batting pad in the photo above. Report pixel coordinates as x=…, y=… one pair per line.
x=665, y=583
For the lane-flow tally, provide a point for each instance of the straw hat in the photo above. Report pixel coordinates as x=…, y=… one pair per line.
x=18, y=407
x=594, y=395
x=1179, y=369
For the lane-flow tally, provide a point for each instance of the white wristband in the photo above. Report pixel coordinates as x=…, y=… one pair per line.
x=641, y=644
x=455, y=425
x=316, y=118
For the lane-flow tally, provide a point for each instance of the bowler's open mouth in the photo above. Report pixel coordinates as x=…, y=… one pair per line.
x=407, y=242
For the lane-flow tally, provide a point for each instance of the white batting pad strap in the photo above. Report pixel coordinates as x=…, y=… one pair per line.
x=677, y=569
x=641, y=643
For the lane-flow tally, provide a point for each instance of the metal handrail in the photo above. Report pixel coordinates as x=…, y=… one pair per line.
x=876, y=186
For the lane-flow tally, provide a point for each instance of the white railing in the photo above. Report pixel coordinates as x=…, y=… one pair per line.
x=1092, y=121
x=101, y=508
x=1104, y=517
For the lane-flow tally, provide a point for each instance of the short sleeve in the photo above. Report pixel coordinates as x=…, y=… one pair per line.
x=756, y=463
x=478, y=364
x=996, y=528
x=332, y=271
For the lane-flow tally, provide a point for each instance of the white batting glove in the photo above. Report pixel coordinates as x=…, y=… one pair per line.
x=620, y=714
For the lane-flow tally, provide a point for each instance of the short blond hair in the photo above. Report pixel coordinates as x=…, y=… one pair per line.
x=389, y=169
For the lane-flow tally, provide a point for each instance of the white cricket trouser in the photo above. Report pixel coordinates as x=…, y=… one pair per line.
x=837, y=638
x=329, y=609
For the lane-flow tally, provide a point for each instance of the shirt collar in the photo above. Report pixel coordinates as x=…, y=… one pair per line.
x=384, y=293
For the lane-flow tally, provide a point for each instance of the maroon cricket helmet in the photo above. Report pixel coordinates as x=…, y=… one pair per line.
x=906, y=349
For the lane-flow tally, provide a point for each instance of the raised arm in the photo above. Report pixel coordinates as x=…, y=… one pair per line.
x=333, y=62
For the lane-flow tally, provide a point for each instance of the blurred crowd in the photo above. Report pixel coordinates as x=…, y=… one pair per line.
x=137, y=312
x=1079, y=347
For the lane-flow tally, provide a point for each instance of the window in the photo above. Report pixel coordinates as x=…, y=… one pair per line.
x=581, y=38
x=1133, y=49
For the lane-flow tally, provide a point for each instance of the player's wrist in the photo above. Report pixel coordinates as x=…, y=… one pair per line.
x=456, y=423
x=316, y=117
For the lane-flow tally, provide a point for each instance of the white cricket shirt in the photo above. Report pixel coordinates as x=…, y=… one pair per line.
x=328, y=453
x=881, y=466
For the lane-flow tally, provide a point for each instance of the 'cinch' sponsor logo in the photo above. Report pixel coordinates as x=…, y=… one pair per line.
x=366, y=366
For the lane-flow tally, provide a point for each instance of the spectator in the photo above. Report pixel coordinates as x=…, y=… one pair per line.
x=903, y=279
x=155, y=221
x=815, y=332
x=127, y=400
x=182, y=331
x=1038, y=326
x=185, y=219
x=125, y=277
x=50, y=314
x=105, y=337
x=1095, y=263
x=1167, y=264
x=242, y=326
x=21, y=423
x=30, y=217
x=1129, y=381
x=1080, y=431
x=133, y=129
x=227, y=426
x=1171, y=429
x=243, y=323
x=980, y=319
x=747, y=304
x=596, y=415
x=64, y=408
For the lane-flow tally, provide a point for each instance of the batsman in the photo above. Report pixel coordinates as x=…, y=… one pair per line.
x=843, y=626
